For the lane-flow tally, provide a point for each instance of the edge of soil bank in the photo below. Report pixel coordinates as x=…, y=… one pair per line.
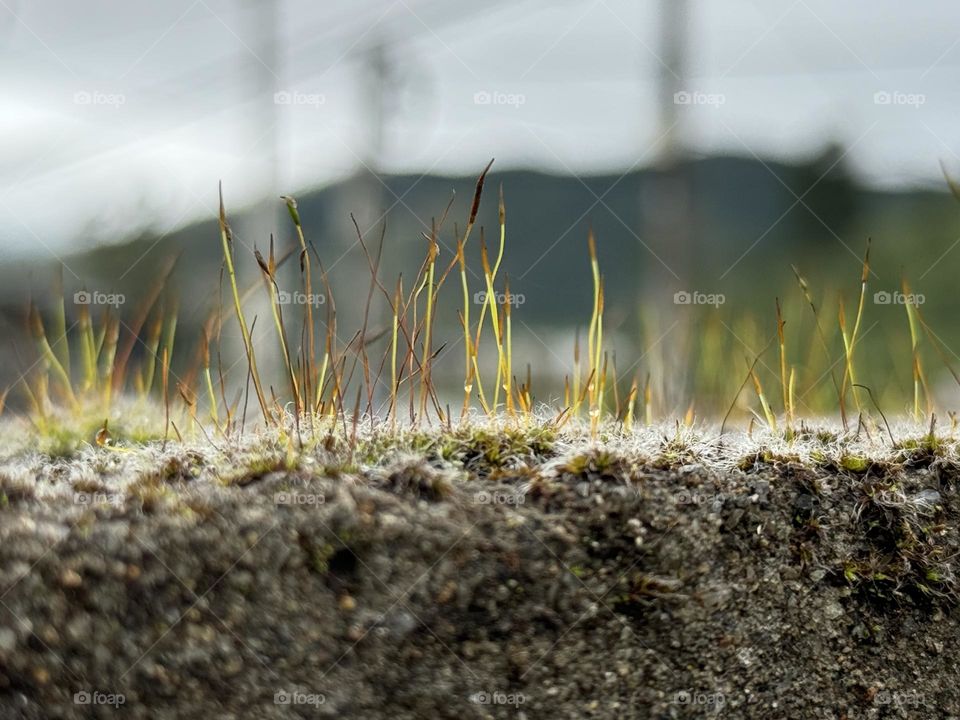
x=483, y=573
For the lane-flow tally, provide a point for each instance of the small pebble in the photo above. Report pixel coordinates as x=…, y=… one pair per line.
x=347, y=603
x=70, y=579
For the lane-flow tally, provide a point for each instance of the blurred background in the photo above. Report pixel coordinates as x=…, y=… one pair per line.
x=710, y=144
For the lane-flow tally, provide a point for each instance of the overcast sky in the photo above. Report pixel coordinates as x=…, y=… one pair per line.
x=123, y=115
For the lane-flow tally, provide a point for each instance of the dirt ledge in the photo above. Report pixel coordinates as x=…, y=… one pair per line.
x=574, y=582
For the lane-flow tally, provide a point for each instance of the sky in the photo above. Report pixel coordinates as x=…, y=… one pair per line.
x=121, y=117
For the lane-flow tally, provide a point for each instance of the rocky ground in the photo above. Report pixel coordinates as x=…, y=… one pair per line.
x=482, y=575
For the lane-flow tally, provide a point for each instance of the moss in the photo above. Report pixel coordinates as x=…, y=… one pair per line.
x=854, y=463
x=319, y=558
x=595, y=462
x=338, y=557
x=903, y=556
x=87, y=484
x=823, y=436
x=182, y=467
x=921, y=452
x=674, y=452
x=152, y=493
x=256, y=466
x=417, y=479
x=766, y=457
x=483, y=450
x=17, y=486
x=59, y=441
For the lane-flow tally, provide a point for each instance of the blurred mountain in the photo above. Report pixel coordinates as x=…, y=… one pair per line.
x=748, y=222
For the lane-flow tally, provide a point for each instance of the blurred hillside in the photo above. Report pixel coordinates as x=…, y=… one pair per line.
x=747, y=222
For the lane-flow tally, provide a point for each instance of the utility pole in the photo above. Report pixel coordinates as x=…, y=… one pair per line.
x=666, y=207
x=363, y=195
x=260, y=70
x=263, y=70
x=674, y=21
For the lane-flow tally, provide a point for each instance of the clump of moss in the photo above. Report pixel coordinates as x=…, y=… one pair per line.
x=415, y=478
x=181, y=467
x=481, y=450
x=674, y=453
x=318, y=556
x=61, y=440
x=16, y=485
x=921, y=452
x=337, y=560
x=905, y=557
x=854, y=463
x=597, y=464
x=256, y=467
x=86, y=481
x=818, y=437
x=152, y=493
x=767, y=457
x=857, y=464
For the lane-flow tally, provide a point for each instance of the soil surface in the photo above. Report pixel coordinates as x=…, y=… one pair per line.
x=568, y=583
